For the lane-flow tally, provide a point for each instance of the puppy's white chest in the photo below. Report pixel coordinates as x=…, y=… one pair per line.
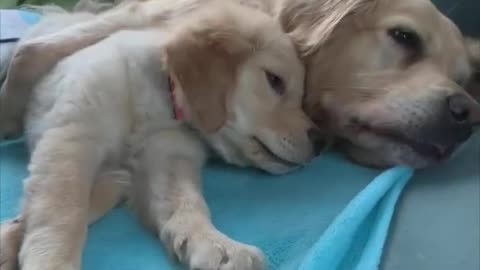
x=151, y=108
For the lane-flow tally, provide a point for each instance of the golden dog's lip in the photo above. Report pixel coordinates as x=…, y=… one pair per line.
x=424, y=149
x=275, y=157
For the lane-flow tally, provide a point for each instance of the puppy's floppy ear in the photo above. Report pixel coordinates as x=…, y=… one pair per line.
x=473, y=49
x=205, y=60
x=310, y=23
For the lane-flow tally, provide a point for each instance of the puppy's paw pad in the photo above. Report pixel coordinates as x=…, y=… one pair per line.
x=206, y=254
x=212, y=251
x=244, y=257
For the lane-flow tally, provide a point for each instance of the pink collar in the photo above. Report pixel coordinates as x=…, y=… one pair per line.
x=177, y=110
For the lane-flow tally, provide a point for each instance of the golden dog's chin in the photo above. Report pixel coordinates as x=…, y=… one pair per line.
x=427, y=151
x=378, y=150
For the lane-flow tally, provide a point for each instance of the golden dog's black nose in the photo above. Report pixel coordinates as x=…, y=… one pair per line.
x=452, y=126
x=455, y=122
x=463, y=110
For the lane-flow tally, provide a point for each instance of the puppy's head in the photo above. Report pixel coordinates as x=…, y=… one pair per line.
x=387, y=76
x=242, y=86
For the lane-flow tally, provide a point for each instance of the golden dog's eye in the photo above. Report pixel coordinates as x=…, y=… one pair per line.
x=275, y=82
x=406, y=38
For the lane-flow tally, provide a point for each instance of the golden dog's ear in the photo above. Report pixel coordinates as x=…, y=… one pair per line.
x=473, y=49
x=310, y=23
x=205, y=59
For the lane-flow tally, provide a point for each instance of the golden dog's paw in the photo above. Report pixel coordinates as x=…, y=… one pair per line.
x=210, y=250
x=10, y=240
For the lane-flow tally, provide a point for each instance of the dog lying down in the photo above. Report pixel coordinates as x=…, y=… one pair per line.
x=386, y=77
x=239, y=85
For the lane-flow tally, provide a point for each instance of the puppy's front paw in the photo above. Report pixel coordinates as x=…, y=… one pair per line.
x=11, y=234
x=45, y=256
x=211, y=250
x=42, y=264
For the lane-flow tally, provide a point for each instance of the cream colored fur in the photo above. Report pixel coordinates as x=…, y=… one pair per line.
x=103, y=115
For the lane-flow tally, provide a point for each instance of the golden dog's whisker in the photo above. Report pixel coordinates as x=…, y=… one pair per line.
x=375, y=73
x=367, y=88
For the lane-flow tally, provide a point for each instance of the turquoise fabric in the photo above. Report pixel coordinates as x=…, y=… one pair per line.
x=336, y=249
x=329, y=215
x=13, y=23
x=464, y=13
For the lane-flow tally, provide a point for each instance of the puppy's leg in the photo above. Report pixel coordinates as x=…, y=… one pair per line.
x=108, y=190
x=169, y=197
x=11, y=235
x=97, y=6
x=16, y=90
x=63, y=166
x=93, y=6
x=34, y=58
x=42, y=53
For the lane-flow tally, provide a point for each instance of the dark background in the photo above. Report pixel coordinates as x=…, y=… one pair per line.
x=466, y=13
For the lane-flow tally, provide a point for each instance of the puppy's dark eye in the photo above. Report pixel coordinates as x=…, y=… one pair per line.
x=275, y=82
x=406, y=38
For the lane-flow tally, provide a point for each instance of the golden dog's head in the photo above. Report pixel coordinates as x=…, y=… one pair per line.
x=387, y=76
x=242, y=84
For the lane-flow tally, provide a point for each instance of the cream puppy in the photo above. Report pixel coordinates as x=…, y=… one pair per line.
x=105, y=114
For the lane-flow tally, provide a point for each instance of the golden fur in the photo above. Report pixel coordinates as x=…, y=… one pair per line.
x=388, y=103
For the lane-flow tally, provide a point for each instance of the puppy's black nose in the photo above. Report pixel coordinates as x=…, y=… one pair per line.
x=318, y=139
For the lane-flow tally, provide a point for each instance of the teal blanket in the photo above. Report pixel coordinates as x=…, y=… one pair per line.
x=329, y=215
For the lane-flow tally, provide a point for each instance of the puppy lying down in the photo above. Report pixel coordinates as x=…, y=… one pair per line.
x=106, y=113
